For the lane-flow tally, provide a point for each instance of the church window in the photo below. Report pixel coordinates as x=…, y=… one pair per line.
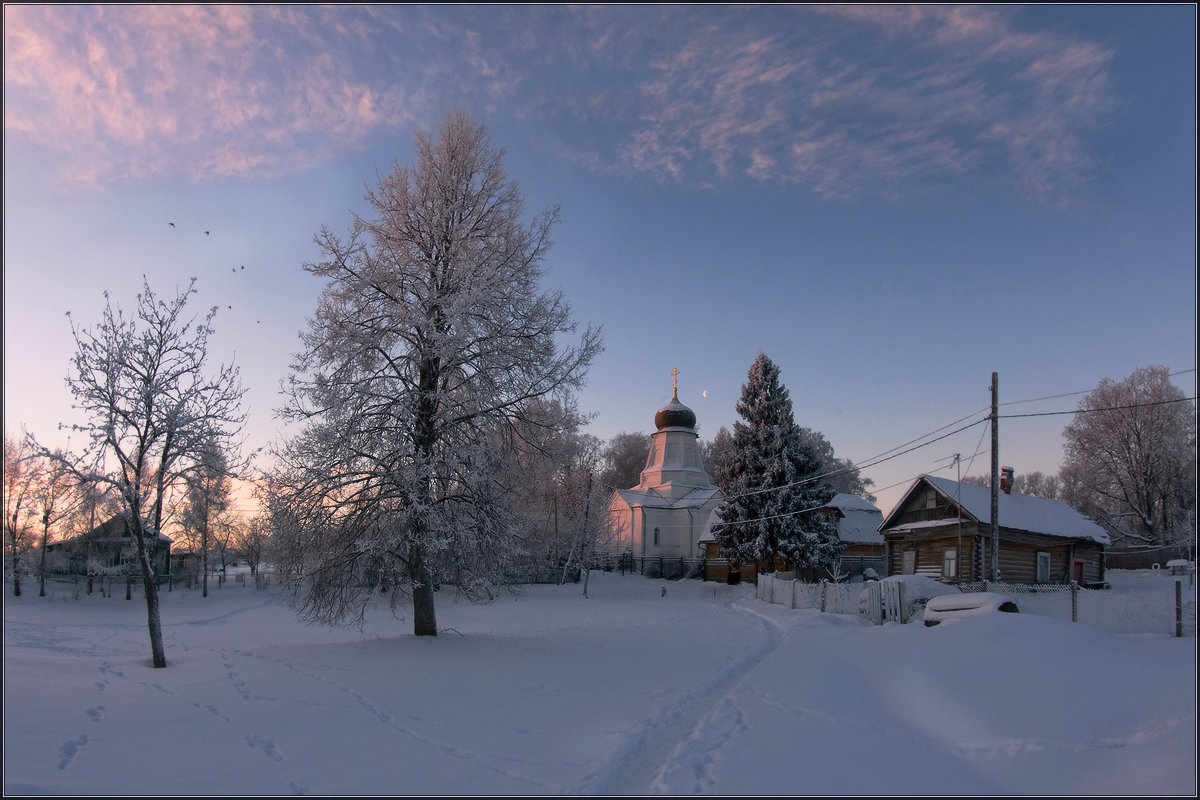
x=656, y=537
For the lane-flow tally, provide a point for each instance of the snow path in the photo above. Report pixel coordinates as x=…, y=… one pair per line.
x=712, y=724
x=659, y=749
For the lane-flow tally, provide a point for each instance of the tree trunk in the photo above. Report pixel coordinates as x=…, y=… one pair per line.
x=204, y=555
x=424, y=616
x=153, y=621
x=42, y=562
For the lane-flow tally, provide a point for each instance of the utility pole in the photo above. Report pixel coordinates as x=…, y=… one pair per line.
x=958, y=502
x=995, y=477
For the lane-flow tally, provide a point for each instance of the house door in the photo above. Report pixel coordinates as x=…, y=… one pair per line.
x=910, y=563
x=1077, y=571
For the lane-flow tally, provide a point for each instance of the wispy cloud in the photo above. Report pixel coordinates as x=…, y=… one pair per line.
x=852, y=100
x=843, y=100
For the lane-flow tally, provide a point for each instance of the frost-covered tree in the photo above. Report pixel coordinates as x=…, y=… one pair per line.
x=1130, y=459
x=59, y=497
x=431, y=342
x=772, y=484
x=717, y=454
x=207, y=500
x=841, y=474
x=22, y=473
x=152, y=404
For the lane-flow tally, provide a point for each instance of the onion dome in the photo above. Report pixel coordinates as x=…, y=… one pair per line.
x=675, y=415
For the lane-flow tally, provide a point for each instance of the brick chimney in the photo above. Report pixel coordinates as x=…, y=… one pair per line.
x=1006, y=479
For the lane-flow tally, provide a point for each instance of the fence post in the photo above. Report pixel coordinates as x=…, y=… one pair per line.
x=1074, y=601
x=1178, y=609
x=824, y=585
x=793, y=595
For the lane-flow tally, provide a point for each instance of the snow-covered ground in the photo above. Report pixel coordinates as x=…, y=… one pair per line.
x=701, y=690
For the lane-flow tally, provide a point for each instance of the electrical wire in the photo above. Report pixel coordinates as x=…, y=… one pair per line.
x=1095, y=410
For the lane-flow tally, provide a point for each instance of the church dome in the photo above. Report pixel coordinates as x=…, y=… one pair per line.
x=675, y=415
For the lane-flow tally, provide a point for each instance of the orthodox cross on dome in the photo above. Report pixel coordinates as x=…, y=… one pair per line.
x=675, y=382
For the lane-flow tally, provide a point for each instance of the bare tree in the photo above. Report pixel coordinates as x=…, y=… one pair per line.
x=1130, y=459
x=59, y=496
x=718, y=454
x=208, y=486
x=152, y=405
x=431, y=339
x=22, y=472
x=623, y=460
x=1035, y=483
x=251, y=538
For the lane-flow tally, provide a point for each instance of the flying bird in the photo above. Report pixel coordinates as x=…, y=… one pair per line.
x=172, y=224
x=206, y=233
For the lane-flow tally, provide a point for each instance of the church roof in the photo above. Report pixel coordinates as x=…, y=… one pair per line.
x=651, y=499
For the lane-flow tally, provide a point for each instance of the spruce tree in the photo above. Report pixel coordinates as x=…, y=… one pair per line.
x=771, y=483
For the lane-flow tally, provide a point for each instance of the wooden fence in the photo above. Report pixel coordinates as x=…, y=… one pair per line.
x=1107, y=609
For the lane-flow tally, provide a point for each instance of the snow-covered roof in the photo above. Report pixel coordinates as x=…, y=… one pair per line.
x=860, y=520
x=847, y=502
x=652, y=499
x=1022, y=512
x=859, y=523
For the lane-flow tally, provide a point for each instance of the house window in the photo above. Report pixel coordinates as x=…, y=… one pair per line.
x=910, y=563
x=931, y=499
x=656, y=537
x=1043, y=567
x=950, y=562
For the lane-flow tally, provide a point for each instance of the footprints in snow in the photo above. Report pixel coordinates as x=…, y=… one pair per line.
x=265, y=745
x=213, y=710
x=69, y=748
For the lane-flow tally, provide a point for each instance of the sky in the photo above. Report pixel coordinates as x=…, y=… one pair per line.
x=644, y=687
x=893, y=203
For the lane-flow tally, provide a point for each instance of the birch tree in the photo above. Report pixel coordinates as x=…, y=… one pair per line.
x=430, y=341
x=152, y=404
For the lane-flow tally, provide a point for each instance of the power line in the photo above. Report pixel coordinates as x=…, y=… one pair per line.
x=1073, y=394
x=862, y=466
x=1094, y=410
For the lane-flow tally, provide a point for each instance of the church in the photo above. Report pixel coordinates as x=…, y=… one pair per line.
x=657, y=524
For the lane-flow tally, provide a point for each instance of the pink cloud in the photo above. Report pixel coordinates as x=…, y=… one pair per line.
x=185, y=91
